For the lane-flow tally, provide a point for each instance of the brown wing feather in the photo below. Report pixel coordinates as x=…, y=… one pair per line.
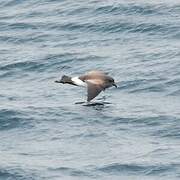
x=93, y=90
x=93, y=76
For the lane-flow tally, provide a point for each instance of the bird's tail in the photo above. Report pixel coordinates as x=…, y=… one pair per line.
x=64, y=79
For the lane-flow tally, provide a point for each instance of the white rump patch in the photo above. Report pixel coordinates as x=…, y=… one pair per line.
x=78, y=82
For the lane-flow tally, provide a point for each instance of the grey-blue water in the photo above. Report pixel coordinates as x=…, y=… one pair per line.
x=133, y=134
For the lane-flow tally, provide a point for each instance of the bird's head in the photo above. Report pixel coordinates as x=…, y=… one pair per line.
x=110, y=82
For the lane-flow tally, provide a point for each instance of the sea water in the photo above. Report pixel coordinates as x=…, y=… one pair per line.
x=132, y=132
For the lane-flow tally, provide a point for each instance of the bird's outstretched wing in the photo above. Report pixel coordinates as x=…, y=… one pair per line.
x=93, y=90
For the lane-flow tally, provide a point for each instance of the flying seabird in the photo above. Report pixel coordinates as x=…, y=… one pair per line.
x=95, y=81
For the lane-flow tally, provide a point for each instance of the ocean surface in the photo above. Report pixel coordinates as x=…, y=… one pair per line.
x=130, y=133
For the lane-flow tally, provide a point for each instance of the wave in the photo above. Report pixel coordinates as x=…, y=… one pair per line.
x=137, y=169
x=143, y=86
x=28, y=65
x=16, y=173
x=48, y=63
x=133, y=8
x=71, y=172
x=10, y=3
x=148, y=121
x=5, y=175
x=101, y=26
x=175, y=93
x=117, y=27
x=10, y=119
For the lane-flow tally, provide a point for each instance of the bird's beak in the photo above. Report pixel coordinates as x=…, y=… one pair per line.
x=115, y=85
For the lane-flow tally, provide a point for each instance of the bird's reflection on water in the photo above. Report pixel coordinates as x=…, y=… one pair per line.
x=95, y=105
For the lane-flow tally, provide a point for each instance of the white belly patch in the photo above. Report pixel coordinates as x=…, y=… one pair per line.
x=78, y=82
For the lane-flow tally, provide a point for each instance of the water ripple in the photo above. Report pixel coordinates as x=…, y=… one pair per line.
x=134, y=133
x=137, y=169
x=10, y=119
